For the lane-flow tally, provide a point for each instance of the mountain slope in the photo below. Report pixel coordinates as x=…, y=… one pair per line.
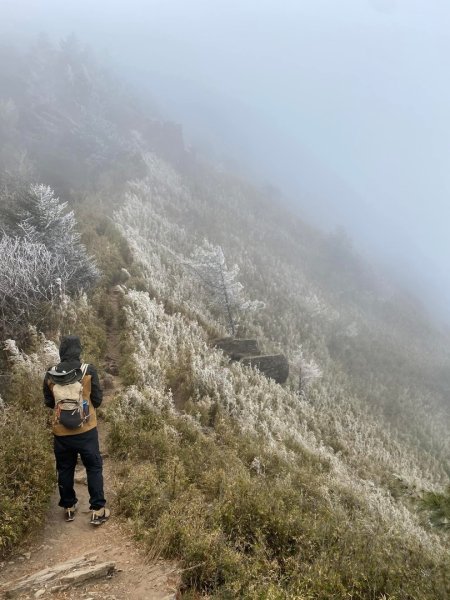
x=308, y=490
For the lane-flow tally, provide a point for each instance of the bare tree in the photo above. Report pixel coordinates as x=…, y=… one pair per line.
x=224, y=291
x=307, y=369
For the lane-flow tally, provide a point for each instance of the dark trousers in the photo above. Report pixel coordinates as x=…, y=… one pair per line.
x=67, y=448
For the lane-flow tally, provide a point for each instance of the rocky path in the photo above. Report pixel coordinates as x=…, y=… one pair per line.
x=69, y=561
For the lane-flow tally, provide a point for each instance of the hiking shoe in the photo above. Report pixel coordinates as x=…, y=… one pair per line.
x=69, y=513
x=100, y=516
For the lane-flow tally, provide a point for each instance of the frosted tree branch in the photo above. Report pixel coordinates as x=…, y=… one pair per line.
x=208, y=264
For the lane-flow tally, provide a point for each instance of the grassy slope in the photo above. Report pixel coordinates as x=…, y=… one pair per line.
x=261, y=491
x=246, y=517
x=379, y=379
x=257, y=487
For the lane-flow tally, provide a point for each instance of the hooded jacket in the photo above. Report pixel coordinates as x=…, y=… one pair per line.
x=70, y=357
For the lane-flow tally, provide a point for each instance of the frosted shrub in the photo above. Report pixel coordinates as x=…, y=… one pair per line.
x=133, y=400
x=307, y=371
x=160, y=341
x=32, y=365
x=161, y=247
x=318, y=307
x=46, y=220
x=43, y=259
x=211, y=379
x=27, y=280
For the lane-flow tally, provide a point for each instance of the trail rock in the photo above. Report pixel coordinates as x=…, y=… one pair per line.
x=93, y=572
x=58, y=588
x=70, y=572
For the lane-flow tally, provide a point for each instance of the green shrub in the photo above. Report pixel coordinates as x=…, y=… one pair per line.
x=26, y=462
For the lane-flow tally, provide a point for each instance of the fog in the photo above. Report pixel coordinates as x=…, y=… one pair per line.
x=344, y=106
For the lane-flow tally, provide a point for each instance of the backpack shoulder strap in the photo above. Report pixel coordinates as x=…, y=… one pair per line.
x=84, y=368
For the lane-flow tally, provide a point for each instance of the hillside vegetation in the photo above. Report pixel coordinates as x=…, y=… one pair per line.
x=330, y=486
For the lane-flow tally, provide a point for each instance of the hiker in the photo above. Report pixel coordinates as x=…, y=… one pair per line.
x=73, y=390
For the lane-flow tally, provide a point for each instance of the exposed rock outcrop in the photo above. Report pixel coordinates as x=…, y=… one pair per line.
x=247, y=351
x=237, y=348
x=275, y=366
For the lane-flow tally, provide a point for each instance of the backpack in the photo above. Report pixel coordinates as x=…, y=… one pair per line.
x=71, y=409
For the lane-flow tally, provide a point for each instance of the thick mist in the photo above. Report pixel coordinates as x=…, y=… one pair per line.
x=341, y=105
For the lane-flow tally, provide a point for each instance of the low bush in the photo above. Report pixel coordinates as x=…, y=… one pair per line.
x=27, y=474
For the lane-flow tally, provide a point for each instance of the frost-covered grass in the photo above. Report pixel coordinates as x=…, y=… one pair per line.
x=360, y=412
x=215, y=453
x=239, y=487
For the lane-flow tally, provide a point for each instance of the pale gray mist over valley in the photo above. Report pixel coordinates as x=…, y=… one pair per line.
x=343, y=106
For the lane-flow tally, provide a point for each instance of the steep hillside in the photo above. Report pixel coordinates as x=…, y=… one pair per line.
x=374, y=425
x=376, y=371
x=312, y=489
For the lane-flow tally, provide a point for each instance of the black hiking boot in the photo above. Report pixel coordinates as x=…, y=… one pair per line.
x=100, y=516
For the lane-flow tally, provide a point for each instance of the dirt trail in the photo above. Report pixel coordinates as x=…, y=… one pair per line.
x=58, y=542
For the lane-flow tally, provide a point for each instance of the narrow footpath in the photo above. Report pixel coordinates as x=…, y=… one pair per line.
x=76, y=561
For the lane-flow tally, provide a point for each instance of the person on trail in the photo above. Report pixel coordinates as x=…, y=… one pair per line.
x=73, y=390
